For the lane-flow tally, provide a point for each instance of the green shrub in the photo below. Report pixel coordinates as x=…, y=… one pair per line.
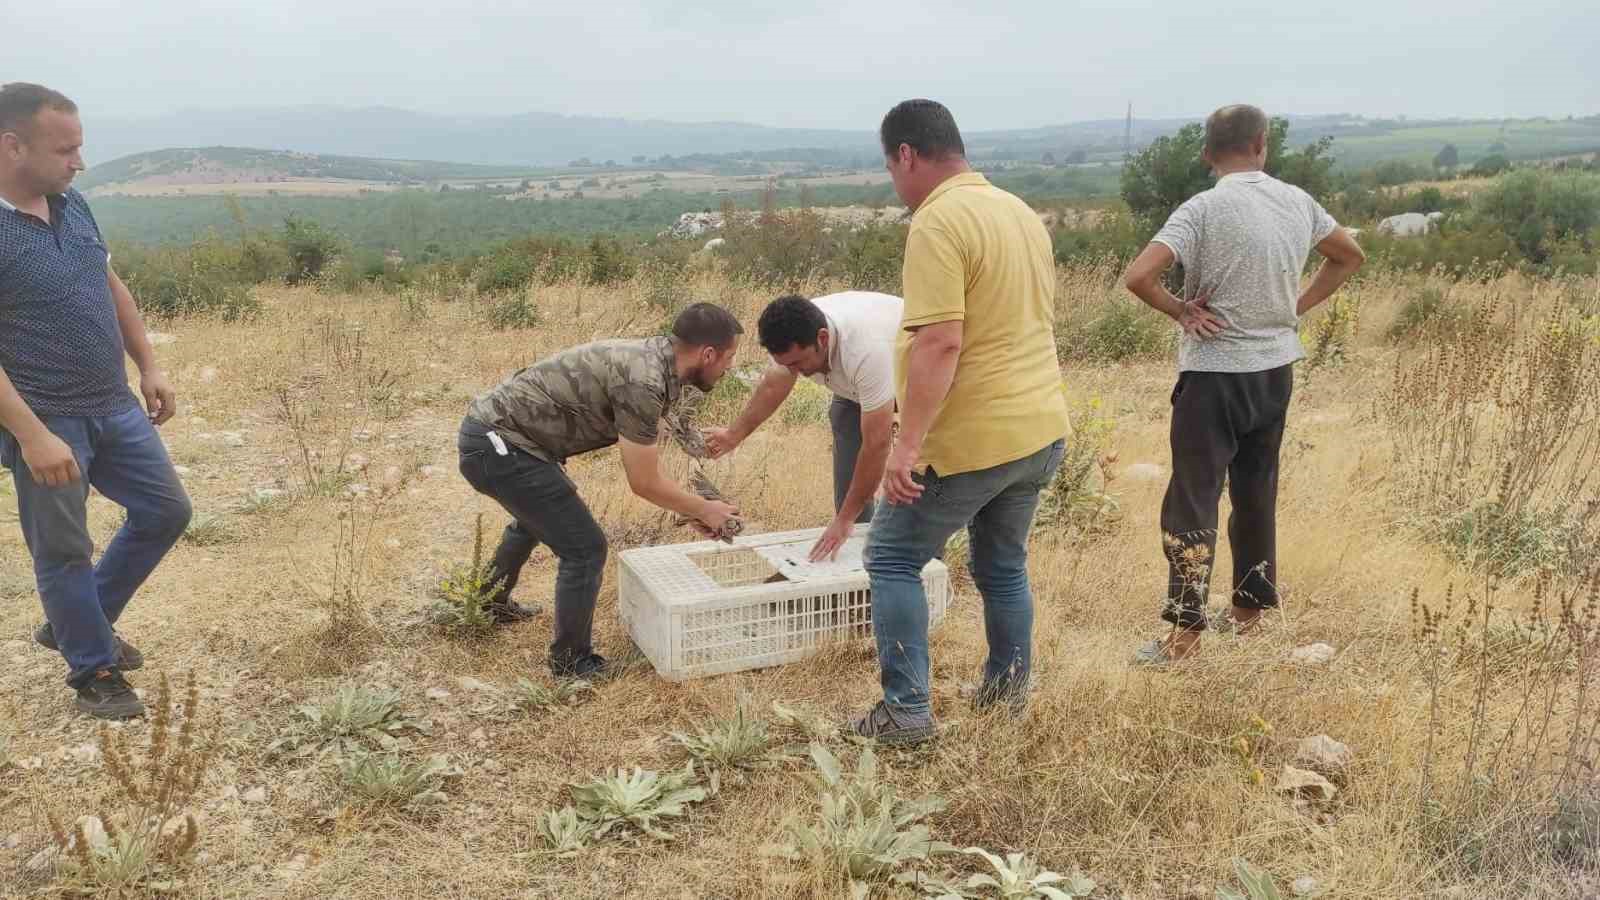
x=1115, y=330
x=1428, y=313
x=311, y=248
x=204, y=278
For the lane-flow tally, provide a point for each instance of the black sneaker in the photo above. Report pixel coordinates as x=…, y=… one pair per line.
x=109, y=696
x=128, y=656
x=593, y=667
x=509, y=612
x=886, y=725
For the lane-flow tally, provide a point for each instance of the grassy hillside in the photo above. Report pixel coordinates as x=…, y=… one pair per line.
x=318, y=443
x=198, y=163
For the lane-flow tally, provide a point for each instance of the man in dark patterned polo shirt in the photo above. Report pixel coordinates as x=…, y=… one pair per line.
x=516, y=438
x=68, y=421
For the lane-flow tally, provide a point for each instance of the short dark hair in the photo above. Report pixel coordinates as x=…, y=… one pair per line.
x=926, y=126
x=21, y=101
x=706, y=325
x=788, y=321
x=1232, y=129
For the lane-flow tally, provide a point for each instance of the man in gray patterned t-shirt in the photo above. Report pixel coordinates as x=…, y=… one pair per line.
x=1243, y=246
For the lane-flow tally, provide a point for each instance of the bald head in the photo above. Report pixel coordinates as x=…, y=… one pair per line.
x=1235, y=131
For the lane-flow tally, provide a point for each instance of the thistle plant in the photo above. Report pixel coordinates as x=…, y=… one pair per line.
x=352, y=718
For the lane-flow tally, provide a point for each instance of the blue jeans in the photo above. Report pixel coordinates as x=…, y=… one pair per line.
x=996, y=506
x=845, y=418
x=122, y=457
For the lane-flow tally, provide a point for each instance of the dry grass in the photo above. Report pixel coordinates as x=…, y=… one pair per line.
x=349, y=405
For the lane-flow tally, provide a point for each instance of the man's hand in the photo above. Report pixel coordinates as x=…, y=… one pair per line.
x=720, y=441
x=1198, y=321
x=827, y=546
x=160, y=401
x=716, y=515
x=898, y=486
x=51, y=461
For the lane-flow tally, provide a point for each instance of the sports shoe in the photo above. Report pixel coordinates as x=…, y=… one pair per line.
x=128, y=656
x=592, y=667
x=109, y=696
x=887, y=725
x=509, y=612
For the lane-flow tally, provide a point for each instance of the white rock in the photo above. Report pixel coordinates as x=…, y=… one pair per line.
x=13, y=841
x=265, y=494
x=85, y=754
x=1145, y=472
x=183, y=471
x=438, y=694
x=473, y=684
x=428, y=471
x=42, y=860
x=230, y=793
x=1305, y=886
x=255, y=795
x=1323, y=753
x=1313, y=654
x=1302, y=782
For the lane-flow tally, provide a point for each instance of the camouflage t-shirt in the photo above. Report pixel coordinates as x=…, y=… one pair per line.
x=583, y=398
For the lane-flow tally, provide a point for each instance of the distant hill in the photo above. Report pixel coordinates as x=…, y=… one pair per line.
x=218, y=165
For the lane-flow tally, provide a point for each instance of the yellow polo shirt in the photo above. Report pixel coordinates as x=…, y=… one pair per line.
x=980, y=255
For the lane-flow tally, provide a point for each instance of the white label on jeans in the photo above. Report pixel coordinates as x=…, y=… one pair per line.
x=499, y=444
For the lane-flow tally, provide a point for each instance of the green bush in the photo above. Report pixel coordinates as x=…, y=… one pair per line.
x=511, y=312
x=1114, y=330
x=1428, y=313
x=311, y=248
x=518, y=264
x=1113, y=236
x=1540, y=209
x=609, y=262
x=205, y=278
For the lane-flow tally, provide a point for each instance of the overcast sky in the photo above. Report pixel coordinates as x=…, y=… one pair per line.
x=829, y=63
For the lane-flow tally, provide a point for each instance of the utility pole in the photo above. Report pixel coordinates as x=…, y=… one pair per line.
x=1127, y=136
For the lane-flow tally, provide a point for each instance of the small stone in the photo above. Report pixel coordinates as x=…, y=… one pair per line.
x=428, y=471
x=1323, y=753
x=85, y=754
x=1301, y=782
x=42, y=860
x=183, y=471
x=493, y=765
x=13, y=841
x=1305, y=886
x=1313, y=654
x=438, y=694
x=473, y=684
x=255, y=795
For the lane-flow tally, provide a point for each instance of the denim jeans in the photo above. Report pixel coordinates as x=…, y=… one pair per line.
x=996, y=506
x=122, y=457
x=545, y=508
x=845, y=417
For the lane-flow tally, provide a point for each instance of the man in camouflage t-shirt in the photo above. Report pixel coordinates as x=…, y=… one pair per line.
x=516, y=438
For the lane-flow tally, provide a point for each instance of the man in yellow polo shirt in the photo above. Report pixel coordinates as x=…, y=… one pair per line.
x=983, y=417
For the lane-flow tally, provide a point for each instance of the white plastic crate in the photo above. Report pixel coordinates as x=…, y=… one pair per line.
x=706, y=608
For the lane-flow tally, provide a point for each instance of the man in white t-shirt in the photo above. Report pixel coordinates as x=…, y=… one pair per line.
x=844, y=342
x=1243, y=245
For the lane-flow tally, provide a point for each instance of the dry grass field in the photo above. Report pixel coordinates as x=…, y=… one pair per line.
x=318, y=445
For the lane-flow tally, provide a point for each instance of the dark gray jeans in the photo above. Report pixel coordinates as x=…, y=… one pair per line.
x=845, y=418
x=545, y=508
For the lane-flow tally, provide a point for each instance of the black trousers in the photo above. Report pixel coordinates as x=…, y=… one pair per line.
x=1226, y=426
x=545, y=508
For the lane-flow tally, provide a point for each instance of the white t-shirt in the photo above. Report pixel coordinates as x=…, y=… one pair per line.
x=863, y=326
x=1244, y=243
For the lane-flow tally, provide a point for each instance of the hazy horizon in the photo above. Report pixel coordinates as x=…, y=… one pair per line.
x=829, y=66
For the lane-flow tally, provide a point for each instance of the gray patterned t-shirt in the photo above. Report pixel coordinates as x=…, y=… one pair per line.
x=1244, y=244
